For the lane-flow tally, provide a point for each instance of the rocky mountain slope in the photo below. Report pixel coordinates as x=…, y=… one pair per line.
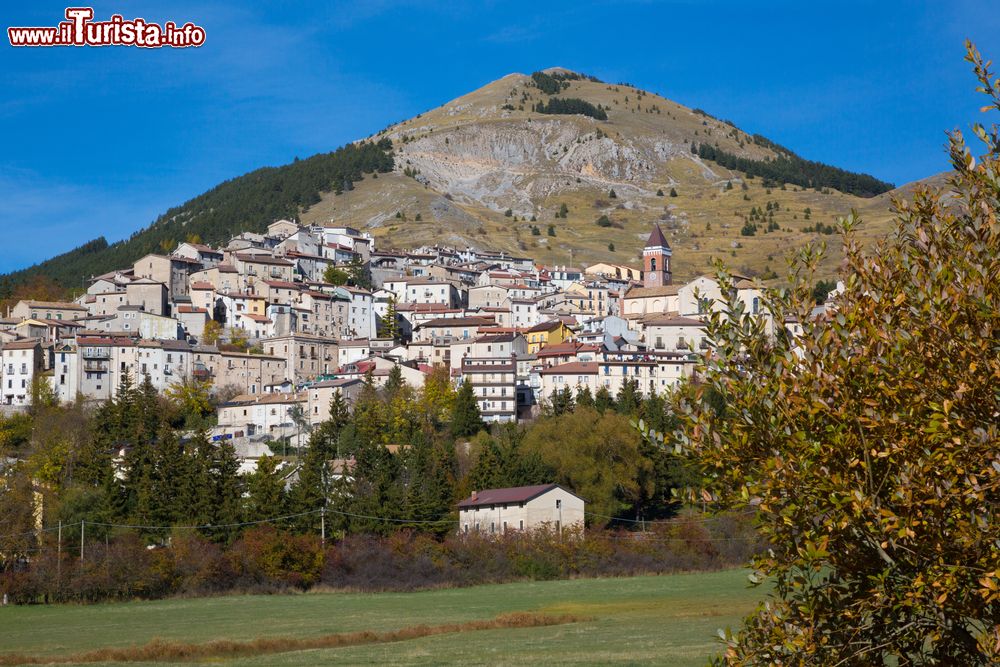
x=487, y=169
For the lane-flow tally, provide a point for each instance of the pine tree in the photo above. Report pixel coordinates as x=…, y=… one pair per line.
x=390, y=322
x=659, y=192
x=326, y=436
x=612, y=194
x=628, y=398
x=394, y=383
x=265, y=497
x=584, y=398
x=603, y=400
x=310, y=492
x=465, y=417
x=673, y=192
x=228, y=486
x=561, y=402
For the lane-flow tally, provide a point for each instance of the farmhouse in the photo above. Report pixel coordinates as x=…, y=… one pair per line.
x=520, y=508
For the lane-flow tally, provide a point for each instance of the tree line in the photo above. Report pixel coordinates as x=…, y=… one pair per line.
x=246, y=203
x=788, y=167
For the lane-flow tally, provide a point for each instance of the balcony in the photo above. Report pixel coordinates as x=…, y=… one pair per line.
x=95, y=366
x=96, y=353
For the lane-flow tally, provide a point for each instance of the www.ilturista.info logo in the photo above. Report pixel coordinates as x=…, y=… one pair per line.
x=81, y=30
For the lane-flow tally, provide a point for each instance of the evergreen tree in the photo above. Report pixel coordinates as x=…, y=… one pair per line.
x=584, y=398
x=673, y=192
x=310, y=492
x=612, y=194
x=370, y=412
x=265, y=496
x=228, y=486
x=628, y=398
x=603, y=400
x=389, y=322
x=465, y=417
x=659, y=192
x=326, y=436
x=561, y=402
x=359, y=273
x=394, y=383
x=375, y=491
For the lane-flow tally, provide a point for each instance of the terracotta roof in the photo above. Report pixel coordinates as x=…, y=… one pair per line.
x=59, y=305
x=568, y=347
x=20, y=345
x=517, y=494
x=190, y=309
x=669, y=320
x=551, y=325
x=572, y=368
x=262, y=259
x=646, y=292
x=199, y=285
x=495, y=338
x=457, y=322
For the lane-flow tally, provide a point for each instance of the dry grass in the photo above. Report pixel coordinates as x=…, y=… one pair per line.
x=162, y=651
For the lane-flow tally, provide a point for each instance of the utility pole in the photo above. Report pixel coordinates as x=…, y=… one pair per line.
x=59, y=556
x=82, y=528
x=322, y=527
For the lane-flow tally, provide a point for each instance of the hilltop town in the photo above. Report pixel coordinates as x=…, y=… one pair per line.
x=276, y=323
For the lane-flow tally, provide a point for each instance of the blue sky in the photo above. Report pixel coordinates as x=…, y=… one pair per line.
x=99, y=141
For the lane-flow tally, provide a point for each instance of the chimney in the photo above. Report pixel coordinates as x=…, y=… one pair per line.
x=475, y=495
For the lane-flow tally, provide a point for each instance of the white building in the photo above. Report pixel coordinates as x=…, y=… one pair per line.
x=496, y=511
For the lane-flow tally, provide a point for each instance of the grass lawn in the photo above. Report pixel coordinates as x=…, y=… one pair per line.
x=667, y=620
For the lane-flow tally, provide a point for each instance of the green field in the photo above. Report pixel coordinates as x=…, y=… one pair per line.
x=666, y=620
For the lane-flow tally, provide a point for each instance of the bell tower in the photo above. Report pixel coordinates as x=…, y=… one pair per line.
x=656, y=260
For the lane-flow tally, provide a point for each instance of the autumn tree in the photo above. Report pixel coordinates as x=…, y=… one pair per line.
x=211, y=333
x=869, y=443
x=335, y=275
x=595, y=455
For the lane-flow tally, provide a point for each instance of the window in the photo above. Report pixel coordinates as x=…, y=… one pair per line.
x=652, y=264
x=558, y=503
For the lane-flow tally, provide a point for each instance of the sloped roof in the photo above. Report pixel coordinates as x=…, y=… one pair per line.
x=656, y=238
x=517, y=494
x=646, y=292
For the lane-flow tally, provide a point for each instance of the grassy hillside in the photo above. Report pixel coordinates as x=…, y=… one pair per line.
x=462, y=166
x=476, y=170
x=662, y=620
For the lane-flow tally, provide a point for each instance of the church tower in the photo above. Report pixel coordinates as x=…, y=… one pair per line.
x=656, y=260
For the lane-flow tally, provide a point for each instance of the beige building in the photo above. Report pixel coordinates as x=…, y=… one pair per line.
x=321, y=394
x=675, y=333
x=48, y=310
x=249, y=373
x=174, y=272
x=306, y=356
x=497, y=511
x=261, y=414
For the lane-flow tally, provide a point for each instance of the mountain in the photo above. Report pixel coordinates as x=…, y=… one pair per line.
x=496, y=168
